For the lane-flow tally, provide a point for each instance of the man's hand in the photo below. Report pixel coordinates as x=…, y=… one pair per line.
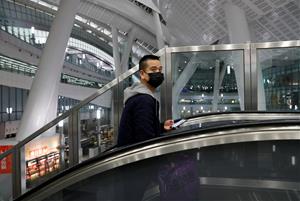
x=168, y=124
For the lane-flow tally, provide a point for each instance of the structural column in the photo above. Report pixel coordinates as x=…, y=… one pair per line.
x=238, y=29
x=115, y=101
x=159, y=31
x=45, y=84
x=180, y=83
x=238, y=33
x=116, y=53
x=127, y=50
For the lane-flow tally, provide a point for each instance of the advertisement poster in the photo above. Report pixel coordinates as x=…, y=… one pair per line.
x=6, y=163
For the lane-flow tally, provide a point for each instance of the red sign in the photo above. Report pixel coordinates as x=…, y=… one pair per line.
x=6, y=163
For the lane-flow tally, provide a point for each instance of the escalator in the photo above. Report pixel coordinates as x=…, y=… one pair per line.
x=236, y=160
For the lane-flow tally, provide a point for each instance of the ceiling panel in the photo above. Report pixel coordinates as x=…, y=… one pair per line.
x=204, y=20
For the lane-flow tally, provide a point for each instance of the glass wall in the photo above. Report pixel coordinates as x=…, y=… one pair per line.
x=278, y=71
x=12, y=103
x=97, y=133
x=207, y=81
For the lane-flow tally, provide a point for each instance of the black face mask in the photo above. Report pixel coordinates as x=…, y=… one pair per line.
x=155, y=79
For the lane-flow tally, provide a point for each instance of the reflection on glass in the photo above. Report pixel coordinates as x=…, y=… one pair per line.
x=235, y=171
x=46, y=155
x=207, y=82
x=96, y=128
x=279, y=79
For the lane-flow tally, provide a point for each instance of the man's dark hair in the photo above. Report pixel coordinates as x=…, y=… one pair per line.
x=142, y=62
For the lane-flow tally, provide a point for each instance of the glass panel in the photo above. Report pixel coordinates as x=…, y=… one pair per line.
x=96, y=127
x=6, y=174
x=207, y=82
x=46, y=155
x=278, y=84
x=235, y=171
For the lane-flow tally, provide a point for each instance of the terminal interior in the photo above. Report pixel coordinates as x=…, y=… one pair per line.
x=232, y=71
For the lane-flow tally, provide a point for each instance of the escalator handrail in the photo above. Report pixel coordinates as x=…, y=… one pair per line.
x=68, y=113
x=241, y=115
x=164, y=141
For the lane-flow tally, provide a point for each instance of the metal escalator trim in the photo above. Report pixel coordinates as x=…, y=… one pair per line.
x=165, y=147
x=250, y=183
x=235, y=182
x=243, y=116
x=222, y=182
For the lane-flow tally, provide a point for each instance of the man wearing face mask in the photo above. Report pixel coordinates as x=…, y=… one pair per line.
x=140, y=117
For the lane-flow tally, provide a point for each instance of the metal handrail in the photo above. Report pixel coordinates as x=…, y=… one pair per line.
x=72, y=110
x=236, y=116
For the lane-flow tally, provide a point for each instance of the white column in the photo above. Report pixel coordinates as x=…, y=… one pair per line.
x=159, y=31
x=127, y=50
x=237, y=24
x=118, y=70
x=116, y=52
x=261, y=95
x=238, y=30
x=182, y=80
x=45, y=83
x=238, y=71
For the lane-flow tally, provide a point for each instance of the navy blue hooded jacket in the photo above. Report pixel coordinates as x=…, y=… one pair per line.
x=140, y=117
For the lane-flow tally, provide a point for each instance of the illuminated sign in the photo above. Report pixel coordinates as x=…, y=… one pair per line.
x=41, y=146
x=6, y=163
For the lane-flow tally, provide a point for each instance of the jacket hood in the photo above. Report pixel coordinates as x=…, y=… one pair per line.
x=136, y=88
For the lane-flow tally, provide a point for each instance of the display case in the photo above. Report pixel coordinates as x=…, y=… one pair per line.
x=42, y=166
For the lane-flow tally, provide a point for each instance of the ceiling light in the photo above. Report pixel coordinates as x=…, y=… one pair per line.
x=228, y=69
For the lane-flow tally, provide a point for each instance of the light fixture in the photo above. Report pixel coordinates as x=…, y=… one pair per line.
x=274, y=148
x=98, y=114
x=9, y=110
x=293, y=160
x=61, y=122
x=228, y=69
x=32, y=30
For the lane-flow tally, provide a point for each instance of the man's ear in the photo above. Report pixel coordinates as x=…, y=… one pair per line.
x=142, y=75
